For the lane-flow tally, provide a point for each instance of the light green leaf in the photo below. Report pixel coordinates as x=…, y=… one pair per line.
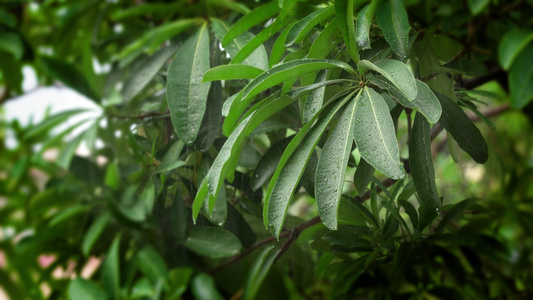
x=258, y=58
x=396, y=72
x=292, y=166
x=425, y=102
x=259, y=270
x=231, y=72
x=94, y=232
x=203, y=287
x=69, y=75
x=67, y=153
x=251, y=19
x=344, y=13
x=362, y=29
x=50, y=122
x=278, y=48
x=186, y=94
x=111, y=269
x=218, y=213
x=299, y=30
x=151, y=264
x=511, y=45
x=112, y=176
x=392, y=19
x=213, y=242
x=521, y=79
x=315, y=99
x=467, y=135
x=375, y=136
x=170, y=166
x=477, y=6
x=363, y=176
x=81, y=289
x=147, y=71
x=421, y=165
x=331, y=169
x=10, y=42
x=148, y=195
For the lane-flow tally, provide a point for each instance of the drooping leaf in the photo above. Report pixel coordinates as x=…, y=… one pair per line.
x=203, y=287
x=362, y=28
x=292, y=165
x=186, y=94
x=259, y=270
x=230, y=72
x=299, y=30
x=213, y=242
x=251, y=19
x=331, y=169
x=375, y=136
x=511, y=45
x=146, y=72
x=315, y=99
x=363, y=176
x=521, y=79
x=344, y=14
x=69, y=75
x=392, y=19
x=82, y=289
x=394, y=71
x=111, y=269
x=467, y=135
x=258, y=58
x=421, y=165
x=425, y=102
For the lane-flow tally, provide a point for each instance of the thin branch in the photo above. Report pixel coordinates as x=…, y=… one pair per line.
x=141, y=116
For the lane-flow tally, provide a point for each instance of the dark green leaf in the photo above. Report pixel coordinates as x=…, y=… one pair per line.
x=363, y=176
x=344, y=14
x=111, y=269
x=410, y=211
x=213, y=242
x=453, y=212
x=392, y=19
x=511, y=45
x=362, y=29
x=396, y=72
x=477, y=6
x=186, y=94
x=521, y=79
x=94, y=232
x=268, y=163
x=81, y=289
x=258, y=272
x=425, y=102
x=299, y=30
x=151, y=264
x=230, y=72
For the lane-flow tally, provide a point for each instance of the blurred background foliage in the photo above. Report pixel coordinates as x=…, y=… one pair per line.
x=117, y=223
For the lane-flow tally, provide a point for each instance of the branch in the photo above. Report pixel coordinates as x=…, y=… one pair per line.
x=495, y=73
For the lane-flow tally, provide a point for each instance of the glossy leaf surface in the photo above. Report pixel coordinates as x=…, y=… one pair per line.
x=392, y=19
x=344, y=14
x=231, y=72
x=394, y=71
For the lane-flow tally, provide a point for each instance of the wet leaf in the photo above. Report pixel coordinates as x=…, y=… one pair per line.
x=299, y=30
x=425, y=102
x=344, y=14
x=363, y=176
x=362, y=28
x=231, y=72
x=259, y=270
x=392, y=19
x=394, y=71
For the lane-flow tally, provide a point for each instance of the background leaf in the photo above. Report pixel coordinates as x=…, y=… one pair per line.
x=213, y=242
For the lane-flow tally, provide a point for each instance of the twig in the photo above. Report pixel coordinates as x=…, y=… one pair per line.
x=141, y=116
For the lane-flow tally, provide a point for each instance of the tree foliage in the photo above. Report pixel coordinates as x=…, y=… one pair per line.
x=282, y=149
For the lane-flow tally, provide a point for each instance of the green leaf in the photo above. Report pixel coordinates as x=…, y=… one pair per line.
x=392, y=19
x=11, y=42
x=231, y=72
x=511, y=45
x=331, y=169
x=213, y=242
x=146, y=72
x=186, y=94
x=151, y=264
x=268, y=163
x=203, y=287
x=94, y=232
x=477, y=6
x=299, y=30
x=363, y=176
x=410, y=211
x=111, y=269
x=50, y=122
x=251, y=19
x=218, y=213
x=375, y=136
x=421, y=165
x=521, y=79
x=81, y=289
x=229, y=4
x=292, y=166
x=67, y=214
x=258, y=58
x=395, y=212
x=315, y=99
x=148, y=195
x=259, y=270
x=344, y=14
x=278, y=48
x=425, y=102
x=453, y=212
x=324, y=42
x=396, y=72
x=112, y=176
x=362, y=28
x=10, y=65
x=467, y=135
x=69, y=75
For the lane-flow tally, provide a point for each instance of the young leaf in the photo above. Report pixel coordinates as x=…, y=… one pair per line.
x=69, y=75
x=299, y=30
x=111, y=269
x=363, y=176
x=186, y=94
x=421, y=165
x=521, y=79
x=258, y=58
x=396, y=72
x=231, y=72
x=332, y=164
x=259, y=270
x=374, y=134
x=292, y=165
x=511, y=45
x=251, y=19
x=392, y=19
x=362, y=29
x=213, y=242
x=467, y=135
x=344, y=13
